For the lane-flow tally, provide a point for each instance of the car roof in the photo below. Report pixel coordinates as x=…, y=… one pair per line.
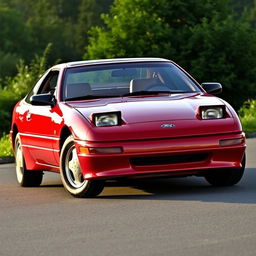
x=109, y=61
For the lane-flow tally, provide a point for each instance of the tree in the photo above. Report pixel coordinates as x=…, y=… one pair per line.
x=134, y=28
x=210, y=41
x=224, y=51
x=63, y=23
x=240, y=5
x=148, y=27
x=15, y=40
x=14, y=35
x=89, y=15
x=8, y=64
x=18, y=86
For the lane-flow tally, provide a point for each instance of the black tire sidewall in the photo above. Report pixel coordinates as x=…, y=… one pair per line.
x=29, y=178
x=227, y=177
x=81, y=191
x=17, y=144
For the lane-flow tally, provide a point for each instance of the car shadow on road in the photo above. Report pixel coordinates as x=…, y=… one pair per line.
x=51, y=186
x=184, y=189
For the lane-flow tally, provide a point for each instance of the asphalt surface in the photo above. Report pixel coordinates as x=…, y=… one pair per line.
x=163, y=217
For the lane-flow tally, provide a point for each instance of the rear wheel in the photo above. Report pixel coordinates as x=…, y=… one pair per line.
x=25, y=177
x=71, y=174
x=226, y=177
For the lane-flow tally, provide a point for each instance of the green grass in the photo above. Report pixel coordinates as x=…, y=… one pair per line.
x=249, y=123
x=5, y=146
x=247, y=114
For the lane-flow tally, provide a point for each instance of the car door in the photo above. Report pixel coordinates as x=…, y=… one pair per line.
x=39, y=133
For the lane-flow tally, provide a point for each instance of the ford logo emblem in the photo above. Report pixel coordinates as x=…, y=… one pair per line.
x=167, y=125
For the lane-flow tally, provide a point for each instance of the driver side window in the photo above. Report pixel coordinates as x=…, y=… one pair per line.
x=49, y=84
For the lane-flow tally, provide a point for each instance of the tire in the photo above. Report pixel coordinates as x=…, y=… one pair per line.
x=25, y=178
x=227, y=177
x=71, y=174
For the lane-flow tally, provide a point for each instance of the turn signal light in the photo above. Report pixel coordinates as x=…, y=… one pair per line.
x=232, y=142
x=100, y=150
x=84, y=150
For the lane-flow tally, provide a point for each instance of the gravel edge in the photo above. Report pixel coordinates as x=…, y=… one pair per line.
x=7, y=160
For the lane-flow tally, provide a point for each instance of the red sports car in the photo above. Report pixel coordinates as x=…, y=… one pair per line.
x=125, y=118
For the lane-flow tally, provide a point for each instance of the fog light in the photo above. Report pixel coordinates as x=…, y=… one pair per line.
x=231, y=142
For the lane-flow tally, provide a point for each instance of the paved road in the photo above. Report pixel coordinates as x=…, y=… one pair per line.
x=164, y=217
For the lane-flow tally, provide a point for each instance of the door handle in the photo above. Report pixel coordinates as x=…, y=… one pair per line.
x=28, y=116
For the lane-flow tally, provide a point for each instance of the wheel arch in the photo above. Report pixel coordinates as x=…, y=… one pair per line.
x=14, y=133
x=65, y=133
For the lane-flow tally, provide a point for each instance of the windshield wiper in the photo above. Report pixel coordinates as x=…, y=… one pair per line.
x=87, y=97
x=137, y=93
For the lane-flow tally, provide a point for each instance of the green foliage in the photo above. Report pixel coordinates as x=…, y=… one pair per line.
x=17, y=87
x=223, y=50
x=134, y=28
x=13, y=30
x=247, y=114
x=89, y=13
x=148, y=27
x=28, y=74
x=47, y=27
x=7, y=102
x=26, y=26
x=211, y=42
x=240, y=5
x=15, y=40
x=5, y=146
x=8, y=63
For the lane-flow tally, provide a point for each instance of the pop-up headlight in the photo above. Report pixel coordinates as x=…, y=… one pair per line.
x=107, y=119
x=212, y=112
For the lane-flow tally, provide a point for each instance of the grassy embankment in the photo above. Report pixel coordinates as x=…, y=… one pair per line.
x=5, y=146
x=247, y=114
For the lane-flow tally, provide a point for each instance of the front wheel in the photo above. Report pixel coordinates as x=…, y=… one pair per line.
x=71, y=174
x=226, y=177
x=25, y=177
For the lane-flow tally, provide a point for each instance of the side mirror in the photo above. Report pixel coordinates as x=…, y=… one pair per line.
x=45, y=99
x=212, y=88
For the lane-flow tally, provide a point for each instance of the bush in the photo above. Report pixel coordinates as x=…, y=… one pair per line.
x=7, y=101
x=247, y=114
x=28, y=75
x=17, y=87
x=8, y=64
x=5, y=146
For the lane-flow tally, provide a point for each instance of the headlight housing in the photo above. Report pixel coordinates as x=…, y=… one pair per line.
x=212, y=112
x=107, y=119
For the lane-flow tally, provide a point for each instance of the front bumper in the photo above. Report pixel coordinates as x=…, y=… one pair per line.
x=161, y=157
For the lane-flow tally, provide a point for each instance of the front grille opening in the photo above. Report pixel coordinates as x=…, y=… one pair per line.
x=173, y=159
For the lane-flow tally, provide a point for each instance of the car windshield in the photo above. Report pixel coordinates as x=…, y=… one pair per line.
x=125, y=79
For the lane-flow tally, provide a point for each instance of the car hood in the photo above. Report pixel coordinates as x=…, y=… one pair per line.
x=148, y=109
x=143, y=117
